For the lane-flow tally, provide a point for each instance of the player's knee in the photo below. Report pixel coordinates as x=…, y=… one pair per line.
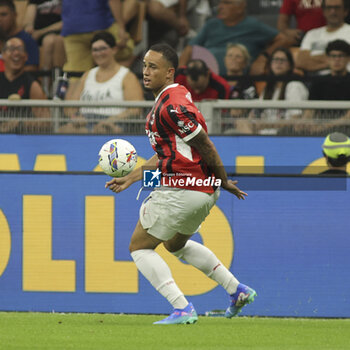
x=173, y=246
x=179, y=253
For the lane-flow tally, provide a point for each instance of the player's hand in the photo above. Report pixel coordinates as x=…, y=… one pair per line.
x=118, y=184
x=231, y=187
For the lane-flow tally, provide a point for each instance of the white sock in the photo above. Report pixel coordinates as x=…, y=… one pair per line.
x=155, y=269
x=205, y=260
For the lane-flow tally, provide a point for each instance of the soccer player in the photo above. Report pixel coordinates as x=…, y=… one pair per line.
x=171, y=214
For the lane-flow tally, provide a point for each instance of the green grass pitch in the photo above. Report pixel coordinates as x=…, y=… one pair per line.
x=36, y=331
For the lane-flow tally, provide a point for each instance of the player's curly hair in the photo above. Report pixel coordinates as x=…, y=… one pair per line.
x=168, y=53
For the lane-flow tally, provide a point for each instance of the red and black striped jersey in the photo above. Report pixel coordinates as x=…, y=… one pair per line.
x=174, y=120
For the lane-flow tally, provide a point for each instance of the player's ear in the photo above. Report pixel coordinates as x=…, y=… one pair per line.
x=171, y=73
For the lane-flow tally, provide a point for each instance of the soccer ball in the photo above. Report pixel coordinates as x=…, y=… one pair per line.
x=117, y=157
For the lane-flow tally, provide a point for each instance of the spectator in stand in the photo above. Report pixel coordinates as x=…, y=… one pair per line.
x=107, y=82
x=312, y=57
x=237, y=60
x=176, y=21
x=9, y=29
x=232, y=25
x=16, y=84
x=81, y=20
x=272, y=121
x=201, y=82
x=332, y=87
x=336, y=85
x=308, y=15
x=43, y=21
x=171, y=13
x=336, y=150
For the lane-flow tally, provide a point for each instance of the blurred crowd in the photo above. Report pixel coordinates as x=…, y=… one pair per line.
x=91, y=50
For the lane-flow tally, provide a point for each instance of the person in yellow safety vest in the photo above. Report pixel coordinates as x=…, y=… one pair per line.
x=336, y=149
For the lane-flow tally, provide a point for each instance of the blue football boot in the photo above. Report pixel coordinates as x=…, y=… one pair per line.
x=244, y=295
x=188, y=315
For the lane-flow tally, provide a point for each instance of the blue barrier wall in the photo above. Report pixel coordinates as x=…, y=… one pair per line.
x=282, y=154
x=64, y=240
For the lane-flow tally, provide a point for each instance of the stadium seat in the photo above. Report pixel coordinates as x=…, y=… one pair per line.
x=200, y=52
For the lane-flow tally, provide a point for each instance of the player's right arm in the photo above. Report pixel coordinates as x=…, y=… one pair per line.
x=119, y=184
x=210, y=155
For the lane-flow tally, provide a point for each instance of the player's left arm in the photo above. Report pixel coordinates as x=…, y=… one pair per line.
x=205, y=147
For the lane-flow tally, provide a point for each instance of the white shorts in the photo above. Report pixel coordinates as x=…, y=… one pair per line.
x=168, y=211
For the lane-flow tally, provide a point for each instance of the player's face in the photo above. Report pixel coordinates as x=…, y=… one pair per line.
x=157, y=72
x=338, y=61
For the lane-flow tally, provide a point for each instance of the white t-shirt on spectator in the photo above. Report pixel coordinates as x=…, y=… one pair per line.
x=295, y=91
x=316, y=40
x=107, y=91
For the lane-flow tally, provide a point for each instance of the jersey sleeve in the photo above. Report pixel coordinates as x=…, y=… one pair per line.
x=182, y=118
